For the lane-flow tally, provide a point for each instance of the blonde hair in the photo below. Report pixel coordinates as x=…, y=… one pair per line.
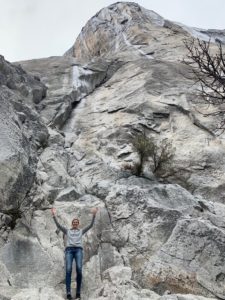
x=76, y=219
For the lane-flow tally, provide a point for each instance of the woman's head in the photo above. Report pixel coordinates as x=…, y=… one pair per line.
x=75, y=223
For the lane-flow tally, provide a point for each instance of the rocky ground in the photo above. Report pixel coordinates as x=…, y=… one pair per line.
x=68, y=126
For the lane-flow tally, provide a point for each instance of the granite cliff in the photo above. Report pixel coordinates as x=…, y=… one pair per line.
x=68, y=126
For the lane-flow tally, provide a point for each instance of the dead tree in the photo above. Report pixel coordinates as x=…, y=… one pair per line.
x=208, y=71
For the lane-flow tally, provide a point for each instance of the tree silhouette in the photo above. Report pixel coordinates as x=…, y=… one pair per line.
x=207, y=68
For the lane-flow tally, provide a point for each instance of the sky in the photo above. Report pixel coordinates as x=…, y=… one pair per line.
x=41, y=28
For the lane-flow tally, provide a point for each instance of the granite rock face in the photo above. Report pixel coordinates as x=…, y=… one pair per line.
x=68, y=82
x=69, y=142
x=125, y=27
x=119, y=28
x=22, y=134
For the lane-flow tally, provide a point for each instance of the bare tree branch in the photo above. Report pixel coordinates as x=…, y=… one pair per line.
x=208, y=69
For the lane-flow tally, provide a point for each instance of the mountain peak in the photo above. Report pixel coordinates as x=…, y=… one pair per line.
x=128, y=29
x=115, y=28
x=123, y=12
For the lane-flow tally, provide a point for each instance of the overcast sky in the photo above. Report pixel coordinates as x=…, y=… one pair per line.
x=41, y=28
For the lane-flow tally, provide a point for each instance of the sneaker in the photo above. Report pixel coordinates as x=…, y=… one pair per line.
x=78, y=296
x=69, y=297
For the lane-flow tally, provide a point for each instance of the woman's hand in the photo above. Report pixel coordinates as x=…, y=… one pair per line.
x=53, y=211
x=94, y=211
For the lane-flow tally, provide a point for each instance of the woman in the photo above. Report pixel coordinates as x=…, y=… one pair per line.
x=74, y=250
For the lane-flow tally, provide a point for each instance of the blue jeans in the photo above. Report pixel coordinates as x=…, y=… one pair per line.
x=77, y=254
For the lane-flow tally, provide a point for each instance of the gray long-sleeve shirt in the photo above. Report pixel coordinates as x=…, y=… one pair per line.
x=74, y=236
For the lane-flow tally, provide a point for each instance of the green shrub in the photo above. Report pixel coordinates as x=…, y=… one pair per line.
x=147, y=148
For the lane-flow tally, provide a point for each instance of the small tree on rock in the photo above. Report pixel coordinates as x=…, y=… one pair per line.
x=147, y=149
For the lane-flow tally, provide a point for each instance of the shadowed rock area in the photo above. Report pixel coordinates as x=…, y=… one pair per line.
x=67, y=140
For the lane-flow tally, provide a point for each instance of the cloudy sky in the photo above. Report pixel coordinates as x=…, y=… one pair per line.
x=41, y=28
